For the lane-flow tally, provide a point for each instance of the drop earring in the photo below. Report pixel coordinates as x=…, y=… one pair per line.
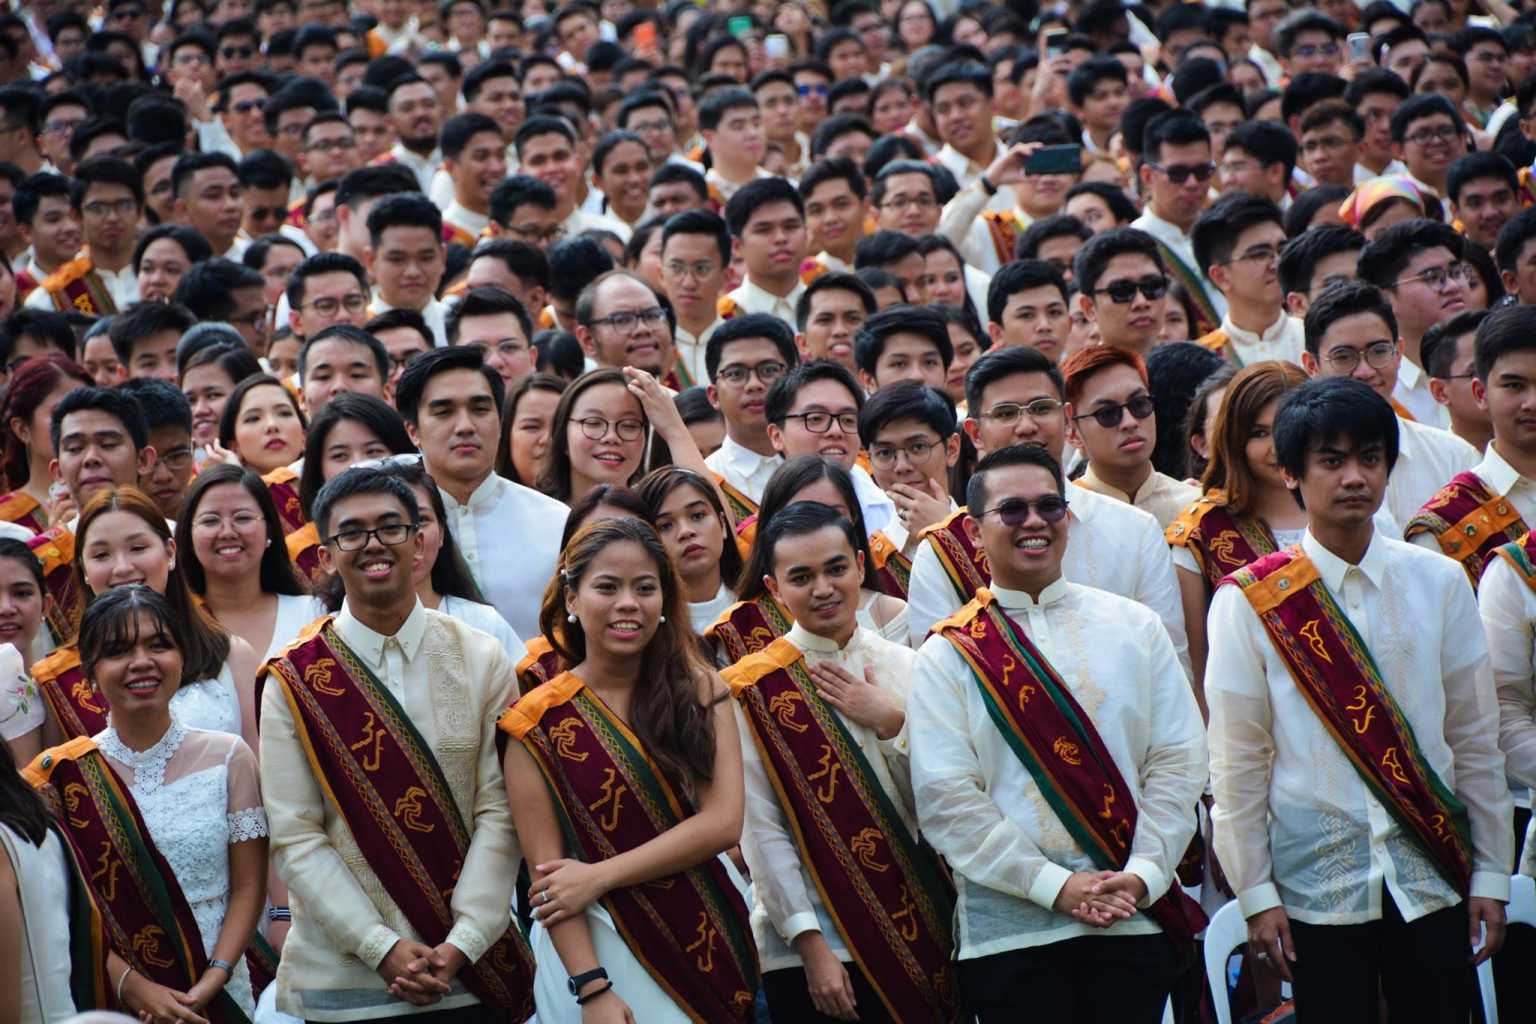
x=570, y=616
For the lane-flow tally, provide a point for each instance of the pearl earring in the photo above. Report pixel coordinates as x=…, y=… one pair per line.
x=570, y=616
x=663, y=618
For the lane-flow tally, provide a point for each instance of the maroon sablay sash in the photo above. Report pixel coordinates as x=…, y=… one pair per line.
x=55, y=548
x=1336, y=673
x=888, y=895
x=1469, y=522
x=747, y=627
x=964, y=563
x=76, y=705
x=21, y=508
x=893, y=567
x=382, y=778
x=304, y=550
x=145, y=915
x=689, y=930
x=283, y=485
x=1056, y=740
x=1220, y=542
x=538, y=665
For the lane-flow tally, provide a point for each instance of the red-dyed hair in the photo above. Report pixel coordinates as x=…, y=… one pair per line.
x=1085, y=362
x=30, y=385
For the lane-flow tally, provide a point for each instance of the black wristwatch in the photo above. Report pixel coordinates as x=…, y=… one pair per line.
x=576, y=983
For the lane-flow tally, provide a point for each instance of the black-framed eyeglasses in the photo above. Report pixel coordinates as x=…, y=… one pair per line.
x=391, y=535
x=626, y=322
x=1110, y=416
x=330, y=306
x=1052, y=508
x=596, y=428
x=1179, y=173
x=1378, y=355
x=1152, y=287
x=767, y=371
x=820, y=422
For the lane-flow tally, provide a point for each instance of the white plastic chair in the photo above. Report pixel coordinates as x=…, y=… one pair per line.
x=1228, y=929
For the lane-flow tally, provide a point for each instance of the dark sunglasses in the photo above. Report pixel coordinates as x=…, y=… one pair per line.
x=1109, y=416
x=1153, y=286
x=231, y=52
x=1179, y=173
x=1052, y=508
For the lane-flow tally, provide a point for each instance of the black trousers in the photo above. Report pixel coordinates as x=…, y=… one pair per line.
x=474, y=1014
x=1423, y=968
x=789, y=998
x=1512, y=975
x=1113, y=979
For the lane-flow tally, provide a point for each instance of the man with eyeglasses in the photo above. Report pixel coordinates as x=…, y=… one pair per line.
x=913, y=440
x=357, y=906
x=1487, y=58
x=1428, y=136
x=1259, y=157
x=59, y=115
x=327, y=288
x=621, y=322
x=107, y=199
x=1420, y=267
x=1032, y=711
x=492, y=320
x=508, y=534
x=328, y=150
x=404, y=335
x=1123, y=287
x=695, y=251
x=1331, y=136
x=169, y=418
x=1110, y=417
x=1308, y=40
x=1014, y=397
x=1352, y=331
x=743, y=358
x=523, y=208
x=1237, y=244
x=1175, y=176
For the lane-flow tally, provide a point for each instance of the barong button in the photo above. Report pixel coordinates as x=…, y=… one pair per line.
x=1470, y=531
x=1284, y=584
x=1178, y=529
x=47, y=760
x=1502, y=510
x=1455, y=545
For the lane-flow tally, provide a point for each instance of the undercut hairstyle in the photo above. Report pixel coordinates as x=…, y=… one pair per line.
x=1505, y=330
x=1385, y=257
x=350, y=483
x=162, y=402
x=1268, y=142
x=351, y=334
x=401, y=319
x=907, y=400
x=575, y=263
x=188, y=164
x=1002, y=363
x=486, y=301
x=524, y=262
x=1327, y=410
x=1078, y=368
x=1477, y=166
x=421, y=370
x=1300, y=256
x=756, y=194
x=1017, y=276
x=835, y=279
x=1216, y=231
x=698, y=222
x=208, y=288
x=1093, y=258
x=108, y=400
x=976, y=495
x=412, y=210
x=750, y=327
x=144, y=319
x=1172, y=129
x=1346, y=299
x=1437, y=349
x=262, y=168
x=459, y=129
x=781, y=396
x=870, y=341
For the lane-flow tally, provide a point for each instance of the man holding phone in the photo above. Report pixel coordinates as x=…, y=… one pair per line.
x=1037, y=172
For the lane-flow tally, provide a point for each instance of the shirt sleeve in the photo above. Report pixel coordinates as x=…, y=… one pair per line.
x=778, y=878
x=213, y=137
x=955, y=223
x=1173, y=771
x=1157, y=588
x=301, y=851
x=958, y=817
x=1242, y=748
x=482, y=897
x=930, y=594
x=1504, y=602
x=1471, y=731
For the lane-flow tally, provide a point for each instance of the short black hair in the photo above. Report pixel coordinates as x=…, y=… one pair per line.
x=1304, y=20
x=884, y=248
x=34, y=188
x=1177, y=128
x=835, y=127
x=898, y=167
x=798, y=520
x=1420, y=106
x=670, y=173
x=575, y=263
x=1269, y=142
x=162, y=403
x=1345, y=299
x=1017, y=276
x=486, y=301
x=907, y=400
x=1372, y=81
x=750, y=327
x=352, y=334
x=1437, y=349
x=840, y=168
x=781, y=397
x=869, y=343
x=1477, y=165
x=189, y=164
x=356, y=480
x=756, y=194
x=373, y=182
x=108, y=400
x=106, y=170
x=721, y=101
x=1516, y=231
x=261, y=168
x=522, y=260
x=519, y=190
x=1326, y=409
x=143, y=319
x=46, y=326
x=1120, y=206
x=1087, y=75
x=207, y=288
x=1214, y=235
x=1093, y=258
x=1385, y=257
x=1002, y=363
x=323, y=263
x=1299, y=256
x=1306, y=205
x=460, y=128
x=1057, y=225
x=1014, y=455
x=831, y=281
x=413, y=382
x=1139, y=113
x=1506, y=329
x=698, y=222
x=400, y=318
x=410, y=209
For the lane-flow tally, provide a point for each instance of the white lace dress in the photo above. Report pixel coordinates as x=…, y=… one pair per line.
x=211, y=704
x=199, y=794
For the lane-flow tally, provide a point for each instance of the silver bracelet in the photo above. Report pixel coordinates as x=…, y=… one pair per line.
x=223, y=965
x=279, y=914
x=122, y=978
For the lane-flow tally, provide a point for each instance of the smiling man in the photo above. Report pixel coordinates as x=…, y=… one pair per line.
x=474, y=156
x=621, y=322
x=913, y=440
x=744, y=358
x=1484, y=190
x=1428, y=136
x=106, y=199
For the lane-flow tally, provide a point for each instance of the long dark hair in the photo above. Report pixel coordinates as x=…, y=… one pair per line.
x=602, y=494
x=658, y=484
x=533, y=382
x=30, y=385
x=203, y=642
x=277, y=575
x=1253, y=388
x=236, y=399
x=21, y=808
x=555, y=481
x=374, y=413
x=787, y=481
x=665, y=711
